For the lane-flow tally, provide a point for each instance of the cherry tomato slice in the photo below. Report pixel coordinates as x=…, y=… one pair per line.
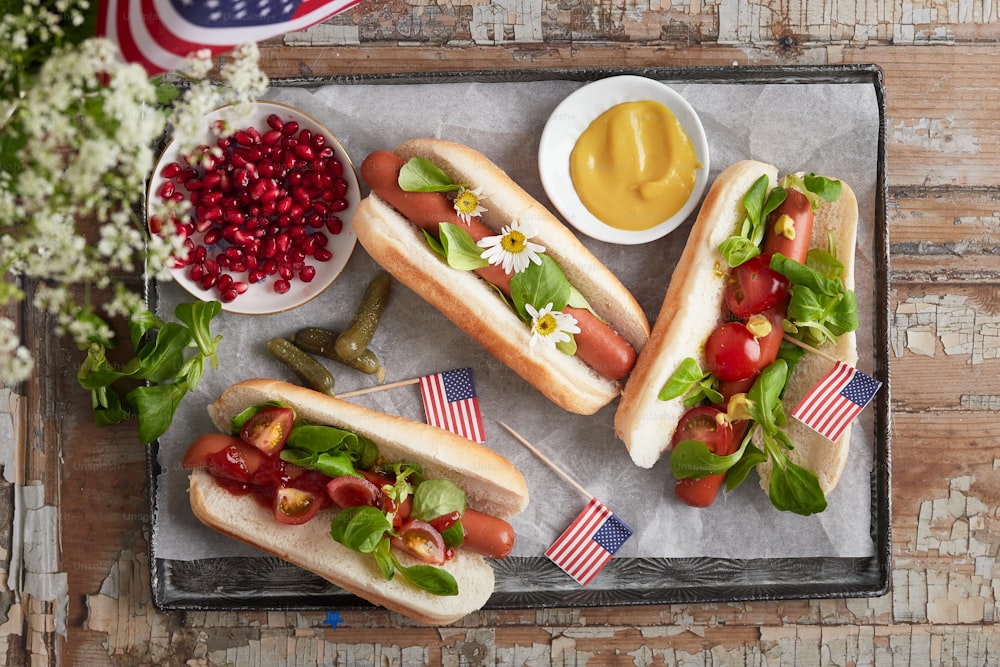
x=268, y=429
x=732, y=352
x=419, y=539
x=753, y=287
x=295, y=506
x=351, y=491
x=237, y=462
x=204, y=446
x=701, y=424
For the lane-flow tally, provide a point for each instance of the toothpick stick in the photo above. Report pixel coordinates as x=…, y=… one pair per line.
x=368, y=390
x=534, y=450
x=810, y=348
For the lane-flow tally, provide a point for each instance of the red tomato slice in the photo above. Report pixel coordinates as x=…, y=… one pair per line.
x=238, y=462
x=204, y=446
x=702, y=423
x=732, y=352
x=351, y=491
x=753, y=287
x=268, y=429
x=419, y=539
x=295, y=506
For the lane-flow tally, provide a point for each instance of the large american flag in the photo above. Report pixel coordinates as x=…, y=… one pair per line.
x=836, y=400
x=450, y=402
x=160, y=34
x=588, y=544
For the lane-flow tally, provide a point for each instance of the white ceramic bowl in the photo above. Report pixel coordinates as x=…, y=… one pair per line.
x=260, y=297
x=574, y=115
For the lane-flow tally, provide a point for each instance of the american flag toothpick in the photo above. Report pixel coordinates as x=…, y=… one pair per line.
x=593, y=537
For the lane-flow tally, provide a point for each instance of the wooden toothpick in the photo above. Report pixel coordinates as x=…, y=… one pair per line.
x=559, y=471
x=368, y=390
x=810, y=348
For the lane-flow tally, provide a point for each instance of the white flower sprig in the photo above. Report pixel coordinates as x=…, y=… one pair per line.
x=512, y=248
x=77, y=141
x=551, y=327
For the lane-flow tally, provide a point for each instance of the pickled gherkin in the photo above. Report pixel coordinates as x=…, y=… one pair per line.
x=353, y=341
x=322, y=342
x=314, y=374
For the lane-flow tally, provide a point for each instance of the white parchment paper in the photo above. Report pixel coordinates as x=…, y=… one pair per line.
x=826, y=128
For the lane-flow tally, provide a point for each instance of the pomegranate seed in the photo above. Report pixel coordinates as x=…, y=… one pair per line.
x=224, y=281
x=240, y=286
x=201, y=226
x=208, y=281
x=256, y=276
x=334, y=224
x=196, y=273
x=200, y=253
x=274, y=121
x=228, y=295
x=167, y=189
x=286, y=272
x=171, y=170
x=243, y=138
x=213, y=236
x=290, y=128
x=211, y=267
x=323, y=255
x=307, y=274
x=271, y=267
x=303, y=151
x=335, y=168
x=272, y=137
x=211, y=198
x=318, y=141
x=254, y=134
x=282, y=286
x=284, y=204
x=321, y=240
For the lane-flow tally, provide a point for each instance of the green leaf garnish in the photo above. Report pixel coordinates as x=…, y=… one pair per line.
x=421, y=175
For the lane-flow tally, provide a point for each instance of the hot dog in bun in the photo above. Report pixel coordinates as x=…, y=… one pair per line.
x=452, y=226
x=766, y=260
x=395, y=511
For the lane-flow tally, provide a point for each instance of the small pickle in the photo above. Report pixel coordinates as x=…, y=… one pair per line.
x=355, y=338
x=317, y=340
x=313, y=373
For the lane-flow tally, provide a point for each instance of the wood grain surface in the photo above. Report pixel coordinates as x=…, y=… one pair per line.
x=77, y=590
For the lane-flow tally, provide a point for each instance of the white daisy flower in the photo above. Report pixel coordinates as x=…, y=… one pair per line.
x=468, y=204
x=511, y=249
x=551, y=328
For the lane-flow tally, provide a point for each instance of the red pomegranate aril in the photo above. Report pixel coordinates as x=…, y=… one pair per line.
x=200, y=253
x=211, y=198
x=272, y=137
x=167, y=189
x=212, y=236
x=318, y=141
x=284, y=204
x=238, y=265
x=201, y=225
x=212, y=180
x=225, y=143
x=321, y=240
x=208, y=281
x=197, y=272
x=274, y=121
x=243, y=138
x=340, y=187
x=286, y=271
x=227, y=295
x=177, y=197
x=282, y=286
x=256, y=276
x=271, y=267
x=307, y=274
x=283, y=242
x=335, y=168
x=171, y=170
x=290, y=128
x=323, y=255
x=296, y=212
x=240, y=286
x=303, y=151
x=339, y=204
x=334, y=224
x=224, y=281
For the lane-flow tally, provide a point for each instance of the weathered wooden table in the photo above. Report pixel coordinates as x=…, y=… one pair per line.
x=79, y=591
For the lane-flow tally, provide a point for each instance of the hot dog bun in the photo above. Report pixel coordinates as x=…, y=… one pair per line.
x=474, y=305
x=694, y=305
x=491, y=483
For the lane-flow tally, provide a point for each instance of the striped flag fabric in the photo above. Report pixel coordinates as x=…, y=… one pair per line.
x=161, y=34
x=836, y=400
x=450, y=402
x=588, y=544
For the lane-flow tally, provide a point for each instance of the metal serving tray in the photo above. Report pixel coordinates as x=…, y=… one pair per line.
x=532, y=582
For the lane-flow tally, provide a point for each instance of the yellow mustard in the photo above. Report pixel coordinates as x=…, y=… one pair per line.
x=634, y=166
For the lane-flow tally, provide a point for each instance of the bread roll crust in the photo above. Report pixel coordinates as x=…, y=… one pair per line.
x=694, y=305
x=474, y=305
x=492, y=485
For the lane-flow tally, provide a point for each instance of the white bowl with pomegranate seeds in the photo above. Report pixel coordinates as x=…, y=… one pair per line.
x=268, y=226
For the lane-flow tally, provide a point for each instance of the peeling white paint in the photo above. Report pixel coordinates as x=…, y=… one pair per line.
x=935, y=134
x=957, y=324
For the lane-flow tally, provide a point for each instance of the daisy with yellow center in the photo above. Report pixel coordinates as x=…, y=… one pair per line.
x=512, y=248
x=550, y=328
x=468, y=204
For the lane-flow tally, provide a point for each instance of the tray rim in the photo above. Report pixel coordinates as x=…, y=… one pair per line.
x=873, y=574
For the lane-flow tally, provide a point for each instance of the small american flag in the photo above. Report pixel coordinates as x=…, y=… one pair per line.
x=160, y=34
x=450, y=403
x=589, y=543
x=836, y=400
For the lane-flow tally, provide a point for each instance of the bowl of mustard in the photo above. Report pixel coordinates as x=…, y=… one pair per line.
x=624, y=159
